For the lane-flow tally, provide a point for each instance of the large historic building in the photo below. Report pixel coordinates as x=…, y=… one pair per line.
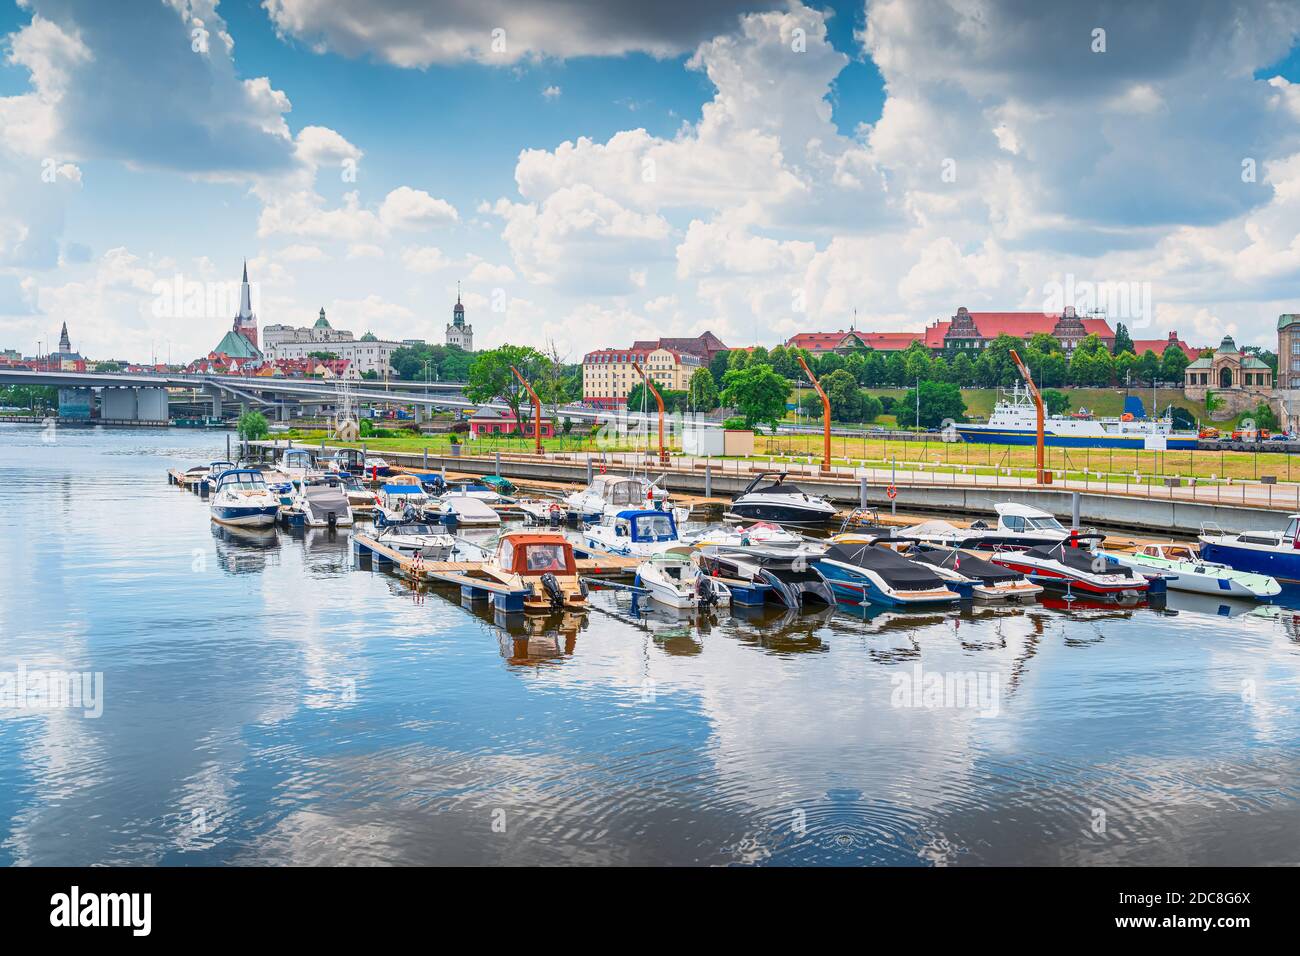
x=321, y=332
x=608, y=375
x=1240, y=379
x=458, y=333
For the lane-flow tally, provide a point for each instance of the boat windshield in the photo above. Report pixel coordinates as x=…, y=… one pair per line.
x=540, y=558
x=1292, y=529
x=657, y=527
x=1045, y=523
x=241, y=481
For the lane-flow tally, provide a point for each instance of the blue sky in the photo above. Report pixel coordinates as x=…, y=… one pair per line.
x=753, y=168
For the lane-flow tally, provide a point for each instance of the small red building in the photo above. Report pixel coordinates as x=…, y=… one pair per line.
x=491, y=421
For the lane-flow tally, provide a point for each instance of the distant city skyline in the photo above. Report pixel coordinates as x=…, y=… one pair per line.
x=758, y=169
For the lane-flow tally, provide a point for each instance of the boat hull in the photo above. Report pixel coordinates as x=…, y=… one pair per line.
x=780, y=514
x=1023, y=436
x=859, y=588
x=1284, y=565
x=1053, y=577
x=241, y=516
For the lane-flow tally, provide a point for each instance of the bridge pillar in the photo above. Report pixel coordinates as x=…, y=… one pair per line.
x=282, y=412
x=215, y=394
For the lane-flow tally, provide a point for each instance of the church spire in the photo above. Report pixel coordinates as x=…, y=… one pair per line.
x=64, y=344
x=245, y=297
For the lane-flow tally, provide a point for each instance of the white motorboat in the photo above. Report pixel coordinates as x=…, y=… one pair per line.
x=633, y=532
x=361, y=499
x=1185, y=570
x=1018, y=526
x=297, y=464
x=428, y=540
x=242, y=499
x=782, y=502
x=463, y=510
x=763, y=534
x=319, y=502
x=672, y=578
x=610, y=494
x=376, y=467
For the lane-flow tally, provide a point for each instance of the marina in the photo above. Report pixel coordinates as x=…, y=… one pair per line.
x=374, y=685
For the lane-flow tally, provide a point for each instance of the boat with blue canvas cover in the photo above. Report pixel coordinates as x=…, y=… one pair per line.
x=1275, y=553
x=1015, y=422
x=639, y=532
x=874, y=574
x=242, y=499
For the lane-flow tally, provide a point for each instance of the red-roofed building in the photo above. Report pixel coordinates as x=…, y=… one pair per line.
x=819, y=343
x=1158, y=346
x=975, y=330
x=608, y=375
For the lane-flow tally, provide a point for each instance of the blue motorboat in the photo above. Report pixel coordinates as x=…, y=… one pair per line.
x=633, y=532
x=1275, y=553
x=872, y=574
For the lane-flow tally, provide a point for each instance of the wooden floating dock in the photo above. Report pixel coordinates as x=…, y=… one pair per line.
x=465, y=574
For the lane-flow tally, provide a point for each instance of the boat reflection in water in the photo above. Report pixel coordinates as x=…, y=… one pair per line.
x=780, y=630
x=243, y=550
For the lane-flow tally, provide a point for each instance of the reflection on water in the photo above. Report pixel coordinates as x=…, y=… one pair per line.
x=271, y=699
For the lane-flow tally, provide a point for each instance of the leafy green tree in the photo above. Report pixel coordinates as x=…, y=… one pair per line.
x=963, y=370
x=758, y=355
x=1123, y=341
x=702, y=391
x=1125, y=367
x=1265, y=417
x=1054, y=402
x=1173, y=364
x=737, y=359
x=757, y=393
x=842, y=390
x=895, y=369
x=1147, y=368
x=252, y=426
x=872, y=407
x=490, y=378
x=674, y=401
x=1045, y=342
x=917, y=363
x=719, y=364
x=828, y=362
x=940, y=401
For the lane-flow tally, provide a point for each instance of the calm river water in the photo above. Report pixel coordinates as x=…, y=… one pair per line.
x=268, y=701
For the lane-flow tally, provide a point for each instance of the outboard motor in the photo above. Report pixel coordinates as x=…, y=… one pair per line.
x=705, y=593
x=552, y=587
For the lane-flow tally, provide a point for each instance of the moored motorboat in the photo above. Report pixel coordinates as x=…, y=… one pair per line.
x=1186, y=570
x=361, y=499
x=786, y=575
x=1275, y=553
x=872, y=574
x=1060, y=565
x=430, y=541
x=464, y=510
x=610, y=494
x=764, y=534
x=297, y=464
x=544, y=511
x=241, y=498
x=781, y=502
x=319, y=502
x=404, y=501
x=632, y=532
x=673, y=578
x=1018, y=526
x=542, y=563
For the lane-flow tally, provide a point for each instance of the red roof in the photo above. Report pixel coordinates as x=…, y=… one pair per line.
x=1020, y=324
x=829, y=341
x=1159, y=345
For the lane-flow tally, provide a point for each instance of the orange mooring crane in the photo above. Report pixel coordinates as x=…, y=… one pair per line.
x=826, y=416
x=537, y=409
x=1042, y=477
x=663, y=452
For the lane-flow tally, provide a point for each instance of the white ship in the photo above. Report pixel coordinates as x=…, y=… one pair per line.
x=1014, y=422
